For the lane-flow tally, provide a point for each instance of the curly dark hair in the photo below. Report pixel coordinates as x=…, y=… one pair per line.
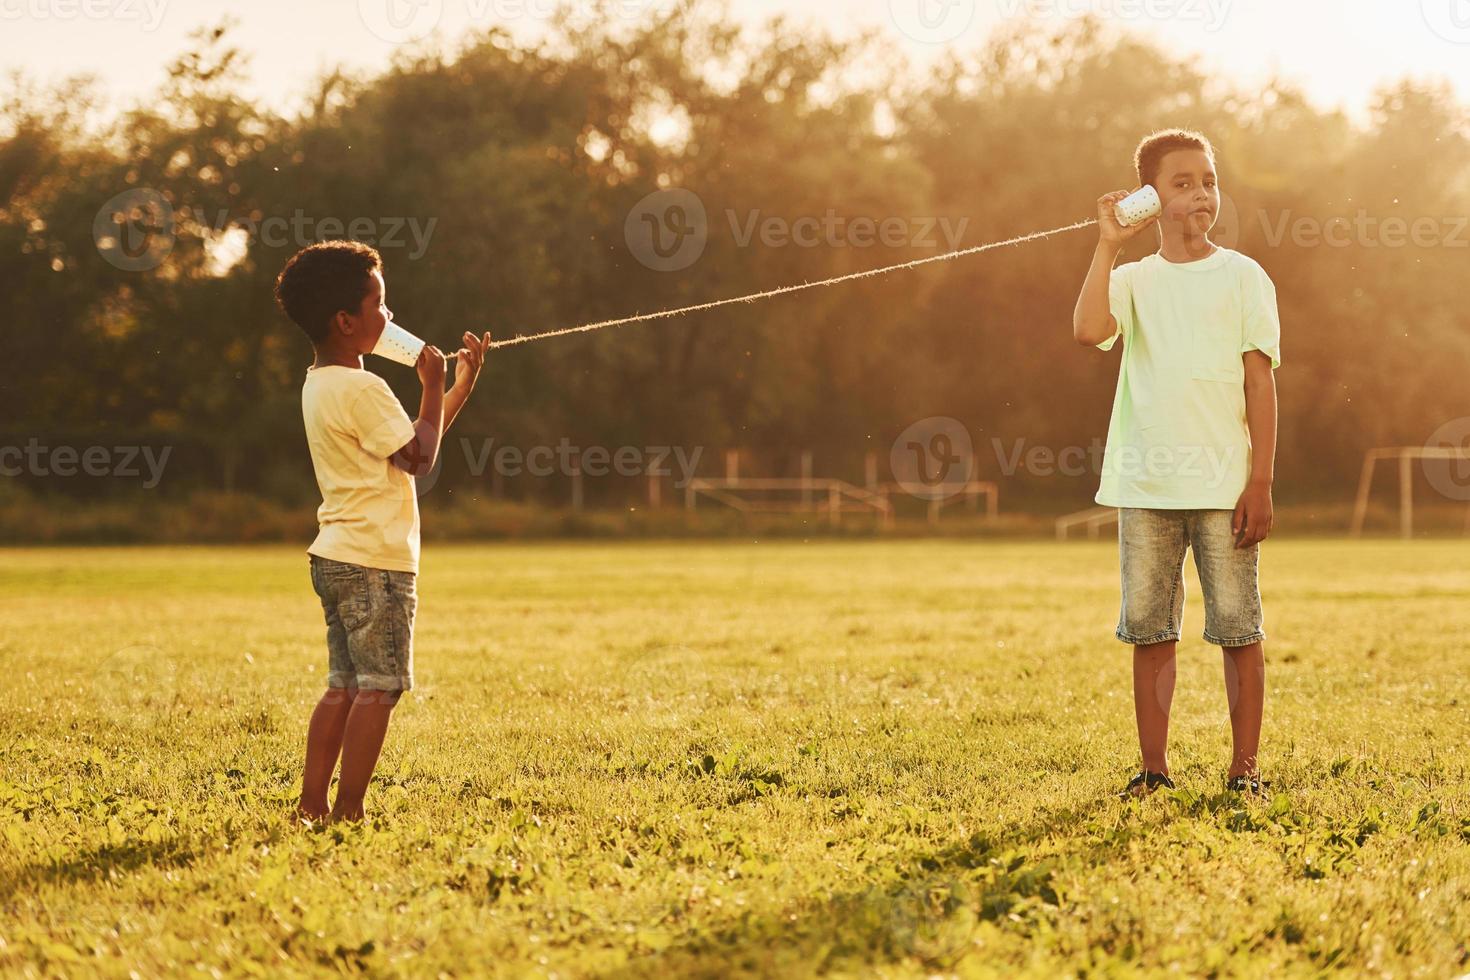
x=1155, y=146
x=323, y=278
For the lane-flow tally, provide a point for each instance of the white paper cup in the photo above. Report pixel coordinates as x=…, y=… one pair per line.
x=398, y=345
x=1139, y=206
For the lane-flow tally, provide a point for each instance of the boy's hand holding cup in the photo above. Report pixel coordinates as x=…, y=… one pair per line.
x=397, y=344
x=1111, y=228
x=430, y=366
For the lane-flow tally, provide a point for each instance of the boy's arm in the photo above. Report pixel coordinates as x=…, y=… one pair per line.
x=438, y=409
x=1254, y=514
x=468, y=361
x=1092, y=319
x=418, y=455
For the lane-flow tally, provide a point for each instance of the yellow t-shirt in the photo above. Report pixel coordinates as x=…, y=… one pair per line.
x=370, y=511
x=1178, y=437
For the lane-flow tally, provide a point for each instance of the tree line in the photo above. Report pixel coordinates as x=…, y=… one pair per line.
x=521, y=188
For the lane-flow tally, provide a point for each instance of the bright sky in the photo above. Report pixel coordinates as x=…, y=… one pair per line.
x=1338, y=50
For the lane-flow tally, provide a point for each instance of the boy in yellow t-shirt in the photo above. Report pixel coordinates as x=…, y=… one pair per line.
x=366, y=452
x=1191, y=446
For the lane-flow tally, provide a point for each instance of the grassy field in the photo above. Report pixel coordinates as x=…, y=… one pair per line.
x=890, y=759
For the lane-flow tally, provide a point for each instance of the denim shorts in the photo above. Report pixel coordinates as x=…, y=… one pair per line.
x=1151, y=547
x=369, y=624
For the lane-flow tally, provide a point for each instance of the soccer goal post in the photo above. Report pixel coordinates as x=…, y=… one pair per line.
x=1406, y=455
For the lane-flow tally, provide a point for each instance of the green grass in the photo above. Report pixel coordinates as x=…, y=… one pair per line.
x=634, y=760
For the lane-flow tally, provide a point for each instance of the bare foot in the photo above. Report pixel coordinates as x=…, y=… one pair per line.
x=312, y=814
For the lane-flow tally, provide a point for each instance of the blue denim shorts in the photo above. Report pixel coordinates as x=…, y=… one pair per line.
x=369, y=624
x=1151, y=547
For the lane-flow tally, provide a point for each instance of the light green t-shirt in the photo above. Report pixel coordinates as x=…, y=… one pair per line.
x=1178, y=437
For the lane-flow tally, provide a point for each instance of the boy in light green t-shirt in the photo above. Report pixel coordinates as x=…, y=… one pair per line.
x=1192, y=441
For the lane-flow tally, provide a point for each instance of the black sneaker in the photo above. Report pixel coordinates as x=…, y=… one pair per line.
x=1246, y=784
x=1145, y=783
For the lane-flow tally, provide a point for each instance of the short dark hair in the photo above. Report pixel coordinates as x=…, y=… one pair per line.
x=323, y=278
x=1155, y=146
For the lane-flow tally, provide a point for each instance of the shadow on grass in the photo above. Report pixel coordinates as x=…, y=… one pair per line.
x=928, y=908
x=99, y=863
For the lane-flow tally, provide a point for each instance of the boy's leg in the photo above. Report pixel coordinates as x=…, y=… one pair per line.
x=323, y=745
x=367, y=725
x=1153, y=694
x=1245, y=690
x=382, y=652
x=1229, y=577
x=329, y=719
x=1151, y=547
